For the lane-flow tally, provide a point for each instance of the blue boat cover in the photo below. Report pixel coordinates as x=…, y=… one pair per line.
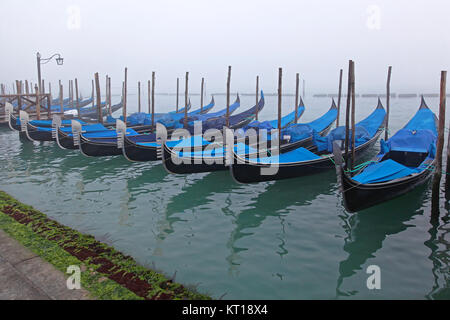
x=273, y=124
x=296, y=155
x=220, y=113
x=48, y=123
x=384, y=171
x=302, y=131
x=418, y=136
x=97, y=127
x=365, y=130
x=107, y=134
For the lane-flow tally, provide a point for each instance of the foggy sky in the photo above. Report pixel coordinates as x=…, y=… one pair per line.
x=314, y=38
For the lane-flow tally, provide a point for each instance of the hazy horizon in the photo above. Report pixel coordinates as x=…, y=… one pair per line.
x=315, y=39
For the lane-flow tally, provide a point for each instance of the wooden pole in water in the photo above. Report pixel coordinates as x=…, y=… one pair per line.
x=186, y=99
x=280, y=75
x=339, y=98
x=447, y=171
x=27, y=90
x=388, y=97
x=99, y=98
x=109, y=96
x=49, y=106
x=297, y=85
x=124, y=107
x=19, y=92
x=78, y=100
x=38, y=103
x=347, y=114
x=257, y=97
x=72, y=95
x=149, y=97
x=439, y=149
x=178, y=88
x=92, y=95
x=139, y=96
x=228, y=96
x=153, y=100
x=43, y=87
x=353, y=116
x=61, y=98
x=201, y=95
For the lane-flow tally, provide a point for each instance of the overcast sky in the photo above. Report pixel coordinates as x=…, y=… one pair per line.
x=314, y=38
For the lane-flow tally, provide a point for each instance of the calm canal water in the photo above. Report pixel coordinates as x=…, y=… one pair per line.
x=289, y=239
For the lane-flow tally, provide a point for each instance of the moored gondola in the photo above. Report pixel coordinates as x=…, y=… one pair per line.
x=301, y=161
x=405, y=161
x=146, y=148
x=205, y=157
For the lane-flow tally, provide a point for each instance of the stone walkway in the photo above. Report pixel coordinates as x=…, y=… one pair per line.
x=25, y=276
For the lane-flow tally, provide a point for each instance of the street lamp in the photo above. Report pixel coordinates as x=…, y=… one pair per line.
x=59, y=61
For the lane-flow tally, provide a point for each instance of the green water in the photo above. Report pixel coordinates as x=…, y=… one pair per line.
x=289, y=239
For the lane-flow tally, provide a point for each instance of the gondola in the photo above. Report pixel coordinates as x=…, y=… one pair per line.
x=209, y=157
x=146, y=148
x=301, y=161
x=36, y=133
x=406, y=161
x=14, y=122
x=65, y=138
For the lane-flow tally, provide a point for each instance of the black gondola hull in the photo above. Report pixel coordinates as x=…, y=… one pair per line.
x=244, y=171
x=97, y=149
x=362, y=196
x=38, y=135
x=135, y=152
x=65, y=141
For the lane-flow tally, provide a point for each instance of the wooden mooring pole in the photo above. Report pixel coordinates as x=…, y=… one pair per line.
x=201, y=95
x=257, y=97
x=61, y=98
x=178, y=89
x=347, y=114
x=108, y=86
x=297, y=85
x=280, y=78
x=77, y=98
x=139, y=96
x=99, y=99
x=388, y=99
x=439, y=148
x=19, y=92
x=149, y=97
x=72, y=100
x=124, y=107
x=92, y=95
x=153, y=100
x=228, y=96
x=186, y=99
x=38, y=103
x=353, y=115
x=339, y=98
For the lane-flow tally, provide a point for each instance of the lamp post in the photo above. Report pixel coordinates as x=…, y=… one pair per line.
x=40, y=60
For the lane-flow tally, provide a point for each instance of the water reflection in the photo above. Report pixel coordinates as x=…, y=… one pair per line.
x=277, y=199
x=366, y=231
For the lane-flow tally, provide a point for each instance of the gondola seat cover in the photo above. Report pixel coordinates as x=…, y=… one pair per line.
x=220, y=113
x=384, y=171
x=411, y=141
x=365, y=130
